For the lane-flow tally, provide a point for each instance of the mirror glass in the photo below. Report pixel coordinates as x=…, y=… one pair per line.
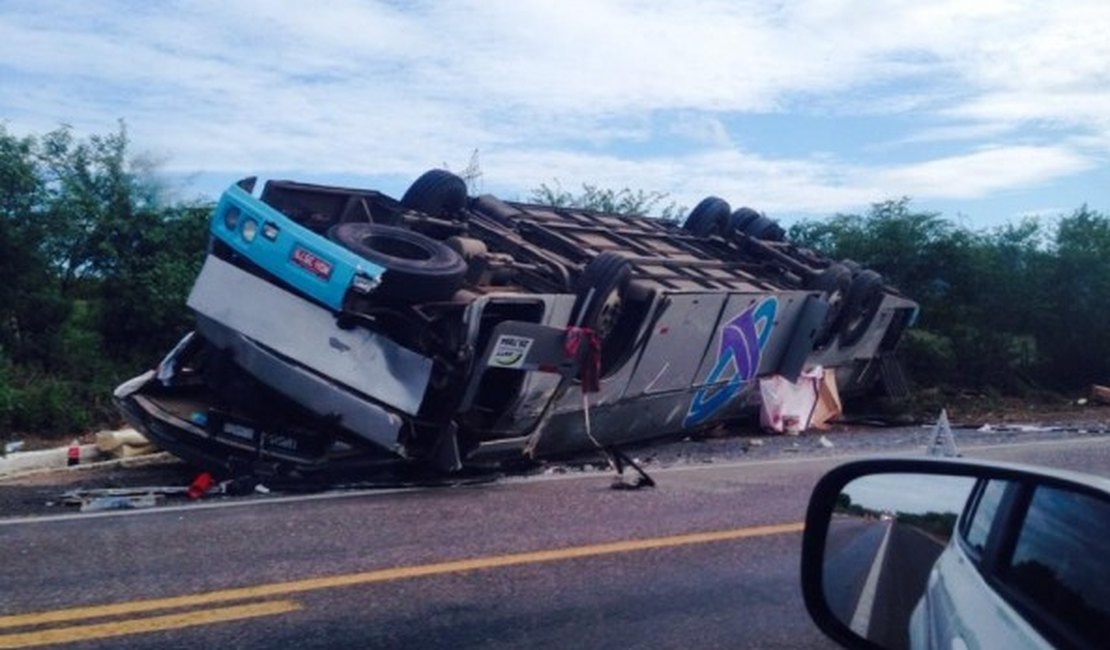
x=886, y=532
x=931, y=561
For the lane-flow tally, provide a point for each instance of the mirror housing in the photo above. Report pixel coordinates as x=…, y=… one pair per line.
x=829, y=497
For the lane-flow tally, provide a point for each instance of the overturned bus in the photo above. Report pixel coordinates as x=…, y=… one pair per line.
x=341, y=328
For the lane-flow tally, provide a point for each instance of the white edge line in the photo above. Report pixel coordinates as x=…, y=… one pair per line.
x=861, y=620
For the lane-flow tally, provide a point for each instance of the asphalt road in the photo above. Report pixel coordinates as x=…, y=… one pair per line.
x=707, y=559
x=850, y=551
x=910, y=556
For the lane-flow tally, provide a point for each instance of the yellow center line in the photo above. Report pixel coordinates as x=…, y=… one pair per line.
x=152, y=624
x=385, y=575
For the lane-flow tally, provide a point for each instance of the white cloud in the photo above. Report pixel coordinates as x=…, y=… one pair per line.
x=574, y=90
x=974, y=132
x=978, y=174
x=815, y=186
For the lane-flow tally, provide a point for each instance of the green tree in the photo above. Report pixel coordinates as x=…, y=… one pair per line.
x=97, y=266
x=622, y=201
x=920, y=253
x=31, y=307
x=984, y=296
x=1073, y=329
x=143, y=293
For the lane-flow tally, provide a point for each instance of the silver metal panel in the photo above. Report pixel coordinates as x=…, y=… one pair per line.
x=724, y=374
x=806, y=326
x=644, y=418
x=613, y=385
x=743, y=329
x=751, y=338
x=539, y=346
x=679, y=341
x=834, y=355
x=868, y=345
x=306, y=333
x=539, y=387
x=306, y=388
x=612, y=391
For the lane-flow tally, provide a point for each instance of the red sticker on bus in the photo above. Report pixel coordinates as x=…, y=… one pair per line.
x=311, y=263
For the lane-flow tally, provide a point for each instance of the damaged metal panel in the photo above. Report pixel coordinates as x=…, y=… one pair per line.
x=748, y=334
x=306, y=388
x=519, y=346
x=688, y=321
x=751, y=336
x=613, y=424
x=527, y=389
x=894, y=310
x=299, y=330
x=803, y=337
x=538, y=388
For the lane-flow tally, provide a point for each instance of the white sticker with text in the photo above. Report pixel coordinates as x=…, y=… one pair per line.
x=510, y=351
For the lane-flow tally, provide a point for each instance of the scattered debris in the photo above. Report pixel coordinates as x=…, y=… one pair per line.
x=73, y=454
x=125, y=443
x=756, y=442
x=13, y=446
x=200, y=486
x=238, y=486
x=825, y=442
x=943, y=440
x=99, y=504
x=1100, y=394
x=792, y=407
x=785, y=406
x=118, y=498
x=828, y=405
x=619, y=459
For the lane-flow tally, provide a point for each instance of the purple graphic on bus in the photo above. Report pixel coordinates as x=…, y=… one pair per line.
x=741, y=349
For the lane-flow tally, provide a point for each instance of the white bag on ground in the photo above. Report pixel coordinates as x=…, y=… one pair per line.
x=788, y=407
x=125, y=443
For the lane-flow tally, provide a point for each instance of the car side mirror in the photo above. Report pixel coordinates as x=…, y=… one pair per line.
x=916, y=553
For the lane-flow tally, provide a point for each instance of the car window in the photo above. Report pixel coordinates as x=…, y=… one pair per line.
x=979, y=526
x=1059, y=564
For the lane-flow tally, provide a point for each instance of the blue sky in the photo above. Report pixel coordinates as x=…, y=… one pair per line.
x=985, y=111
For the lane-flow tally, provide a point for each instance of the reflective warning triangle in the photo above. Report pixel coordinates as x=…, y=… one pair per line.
x=943, y=442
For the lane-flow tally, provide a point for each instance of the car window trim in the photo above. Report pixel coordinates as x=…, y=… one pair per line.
x=1050, y=626
x=986, y=560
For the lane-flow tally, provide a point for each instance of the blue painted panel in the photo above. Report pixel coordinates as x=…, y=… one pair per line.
x=314, y=265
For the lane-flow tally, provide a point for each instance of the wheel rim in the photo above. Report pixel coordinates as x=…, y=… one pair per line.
x=608, y=315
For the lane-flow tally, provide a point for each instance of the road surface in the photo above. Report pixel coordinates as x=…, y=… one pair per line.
x=851, y=550
x=707, y=559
